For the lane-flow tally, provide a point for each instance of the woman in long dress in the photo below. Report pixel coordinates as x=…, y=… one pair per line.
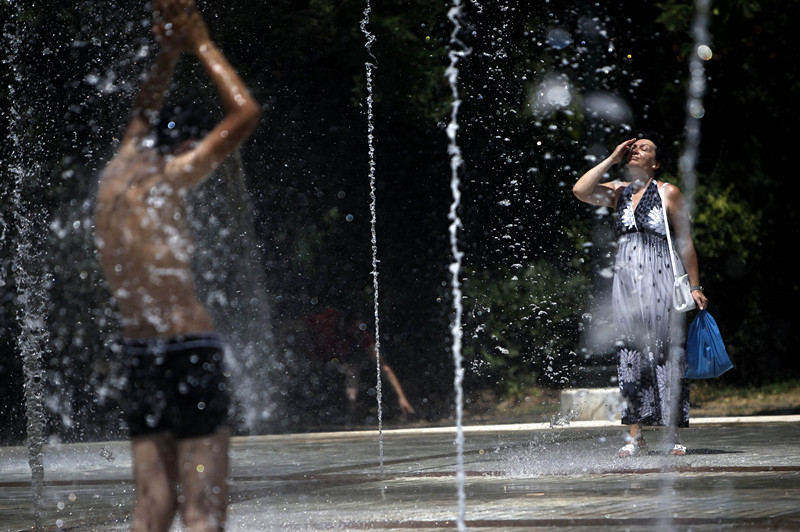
x=651, y=335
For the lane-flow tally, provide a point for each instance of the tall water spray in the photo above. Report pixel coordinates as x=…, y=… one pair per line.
x=457, y=51
x=369, y=66
x=701, y=52
x=31, y=297
x=232, y=285
x=32, y=340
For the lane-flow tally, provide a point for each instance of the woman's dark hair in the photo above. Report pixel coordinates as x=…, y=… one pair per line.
x=178, y=122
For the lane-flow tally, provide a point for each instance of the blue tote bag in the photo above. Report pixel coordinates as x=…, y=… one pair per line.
x=706, y=356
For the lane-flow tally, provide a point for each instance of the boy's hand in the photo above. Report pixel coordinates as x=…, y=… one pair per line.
x=178, y=23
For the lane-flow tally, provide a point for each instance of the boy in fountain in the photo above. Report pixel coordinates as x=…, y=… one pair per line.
x=341, y=342
x=177, y=392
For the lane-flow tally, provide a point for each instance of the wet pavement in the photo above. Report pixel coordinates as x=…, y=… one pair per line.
x=739, y=474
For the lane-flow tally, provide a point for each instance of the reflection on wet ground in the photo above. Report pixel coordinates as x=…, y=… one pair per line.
x=741, y=474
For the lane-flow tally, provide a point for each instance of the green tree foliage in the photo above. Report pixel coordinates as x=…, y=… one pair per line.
x=522, y=326
x=727, y=231
x=75, y=68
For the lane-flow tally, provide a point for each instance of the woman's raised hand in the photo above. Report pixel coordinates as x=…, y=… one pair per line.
x=618, y=155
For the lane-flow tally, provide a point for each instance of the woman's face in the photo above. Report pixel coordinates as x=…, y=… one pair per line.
x=642, y=155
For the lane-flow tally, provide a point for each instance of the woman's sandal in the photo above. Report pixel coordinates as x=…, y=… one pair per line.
x=676, y=449
x=631, y=448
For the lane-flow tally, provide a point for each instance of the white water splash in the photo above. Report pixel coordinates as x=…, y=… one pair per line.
x=31, y=296
x=370, y=66
x=32, y=339
x=457, y=51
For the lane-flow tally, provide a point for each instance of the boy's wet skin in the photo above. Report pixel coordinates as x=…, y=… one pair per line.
x=177, y=392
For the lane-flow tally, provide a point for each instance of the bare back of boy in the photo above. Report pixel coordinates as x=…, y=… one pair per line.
x=146, y=247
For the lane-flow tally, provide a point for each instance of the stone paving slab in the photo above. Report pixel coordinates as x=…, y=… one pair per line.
x=739, y=474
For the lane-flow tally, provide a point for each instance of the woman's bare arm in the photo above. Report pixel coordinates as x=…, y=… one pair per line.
x=590, y=190
x=679, y=220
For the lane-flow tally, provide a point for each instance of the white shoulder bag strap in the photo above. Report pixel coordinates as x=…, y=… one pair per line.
x=666, y=228
x=682, y=299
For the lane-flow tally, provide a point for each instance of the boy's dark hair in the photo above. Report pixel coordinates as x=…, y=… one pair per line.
x=178, y=122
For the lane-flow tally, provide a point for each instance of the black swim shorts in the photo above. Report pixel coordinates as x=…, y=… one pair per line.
x=176, y=385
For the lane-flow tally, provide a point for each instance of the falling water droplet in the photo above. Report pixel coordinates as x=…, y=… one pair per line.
x=559, y=38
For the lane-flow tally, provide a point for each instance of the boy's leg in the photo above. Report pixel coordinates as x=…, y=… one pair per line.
x=203, y=473
x=155, y=474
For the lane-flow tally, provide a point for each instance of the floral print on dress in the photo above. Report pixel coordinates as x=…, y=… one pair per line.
x=651, y=362
x=628, y=217
x=648, y=407
x=655, y=219
x=647, y=217
x=628, y=365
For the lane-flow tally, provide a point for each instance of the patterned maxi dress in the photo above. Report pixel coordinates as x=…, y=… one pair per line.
x=651, y=334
